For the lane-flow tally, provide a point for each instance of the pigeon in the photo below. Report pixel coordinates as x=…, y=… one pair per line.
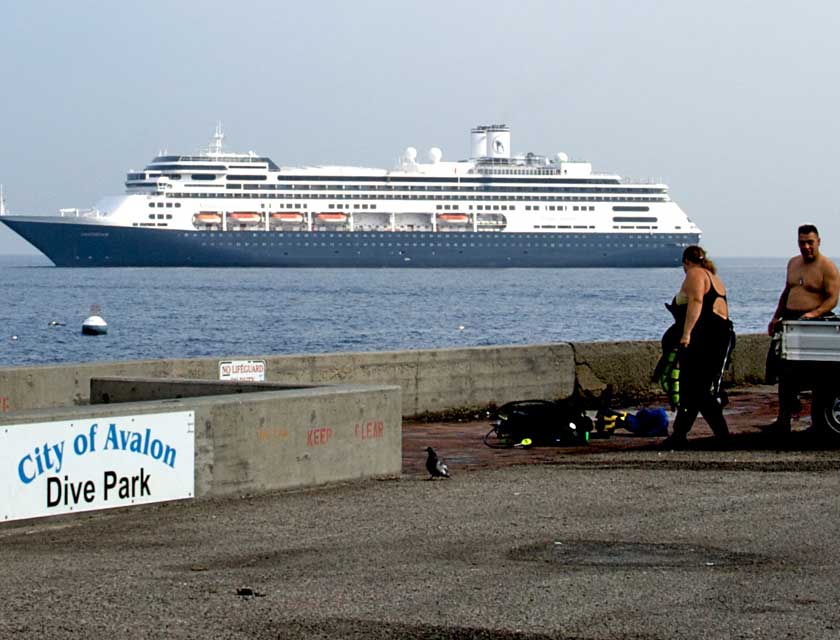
x=436, y=466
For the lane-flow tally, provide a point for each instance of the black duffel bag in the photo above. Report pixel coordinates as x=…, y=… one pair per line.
x=538, y=423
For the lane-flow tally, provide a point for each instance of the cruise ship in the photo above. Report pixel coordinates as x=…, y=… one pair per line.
x=496, y=209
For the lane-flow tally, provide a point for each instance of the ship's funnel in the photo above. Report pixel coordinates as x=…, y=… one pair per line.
x=498, y=141
x=490, y=141
x=478, y=143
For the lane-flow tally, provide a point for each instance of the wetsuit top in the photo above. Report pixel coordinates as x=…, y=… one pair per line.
x=709, y=301
x=679, y=305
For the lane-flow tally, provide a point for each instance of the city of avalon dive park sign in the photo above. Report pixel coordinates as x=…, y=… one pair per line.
x=50, y=468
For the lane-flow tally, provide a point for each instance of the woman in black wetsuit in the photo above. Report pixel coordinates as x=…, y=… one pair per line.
x=701, y=310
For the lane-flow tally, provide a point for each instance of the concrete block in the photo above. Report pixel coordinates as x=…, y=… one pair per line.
x=625, y=366
x=307, y=438
x=274, y=439
x=749, y=359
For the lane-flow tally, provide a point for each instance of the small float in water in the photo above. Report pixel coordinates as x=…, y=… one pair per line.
x=94, y=325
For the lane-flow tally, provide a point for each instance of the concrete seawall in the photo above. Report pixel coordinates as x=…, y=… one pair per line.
x=431, y=380
x=316, y=419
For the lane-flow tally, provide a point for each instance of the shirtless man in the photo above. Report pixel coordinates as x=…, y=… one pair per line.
x=811, y=291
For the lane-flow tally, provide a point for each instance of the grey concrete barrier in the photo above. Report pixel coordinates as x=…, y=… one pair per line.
x=266, y=439
x=627, y=366
x=431, y=380
x=112, y=390
x=435, y=380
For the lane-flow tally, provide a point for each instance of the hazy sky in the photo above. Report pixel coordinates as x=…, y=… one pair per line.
x=733, y=104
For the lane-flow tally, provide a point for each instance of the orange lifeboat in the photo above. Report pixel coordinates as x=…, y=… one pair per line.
x=454, y=218
x=287, y=216
x=208, y=217
x=245, y=217
x=331, y=217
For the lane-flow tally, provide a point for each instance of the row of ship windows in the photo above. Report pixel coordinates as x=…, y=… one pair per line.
x=338, y=196
x=462, y=189
x=439, y=207
x=503, y=207
x=270, y=164
x=204, y=177
x=575, y=195
x=261, y=177
x=536, y=207
x=564, y=226
x=433, y=239
x=162, y=169
x=544, y=226
x=209, y=167
x=622, y=192
x=504, y=245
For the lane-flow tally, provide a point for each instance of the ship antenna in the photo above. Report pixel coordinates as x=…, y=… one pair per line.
x=2, y=202
x=216, y=145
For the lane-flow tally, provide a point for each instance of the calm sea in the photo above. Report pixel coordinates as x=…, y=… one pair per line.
x=184, y=313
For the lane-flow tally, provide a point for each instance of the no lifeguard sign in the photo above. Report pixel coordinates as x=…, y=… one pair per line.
x=242, y=370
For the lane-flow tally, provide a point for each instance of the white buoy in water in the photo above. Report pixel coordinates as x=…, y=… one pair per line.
x=94, y=326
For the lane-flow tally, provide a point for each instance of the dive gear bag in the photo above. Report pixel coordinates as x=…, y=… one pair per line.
x=540, y=423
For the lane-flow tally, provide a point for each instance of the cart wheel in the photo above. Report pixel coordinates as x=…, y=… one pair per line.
x=825, y=412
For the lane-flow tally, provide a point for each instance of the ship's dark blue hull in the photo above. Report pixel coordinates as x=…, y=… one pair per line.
x=74, y=243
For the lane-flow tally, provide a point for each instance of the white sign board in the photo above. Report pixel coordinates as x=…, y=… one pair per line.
x=242, y=370
x=68, y=466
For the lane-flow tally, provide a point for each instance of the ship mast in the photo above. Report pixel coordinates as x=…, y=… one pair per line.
x=216, y=145
x=2, y=202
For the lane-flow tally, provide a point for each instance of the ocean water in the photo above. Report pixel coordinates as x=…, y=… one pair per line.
x=185, y=313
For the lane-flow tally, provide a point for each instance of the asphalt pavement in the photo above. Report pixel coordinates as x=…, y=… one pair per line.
x=615, y=540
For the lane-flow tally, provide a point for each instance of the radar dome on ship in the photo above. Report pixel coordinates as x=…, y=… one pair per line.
x=561, y=157
x=435, y=154
x=410, y=154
